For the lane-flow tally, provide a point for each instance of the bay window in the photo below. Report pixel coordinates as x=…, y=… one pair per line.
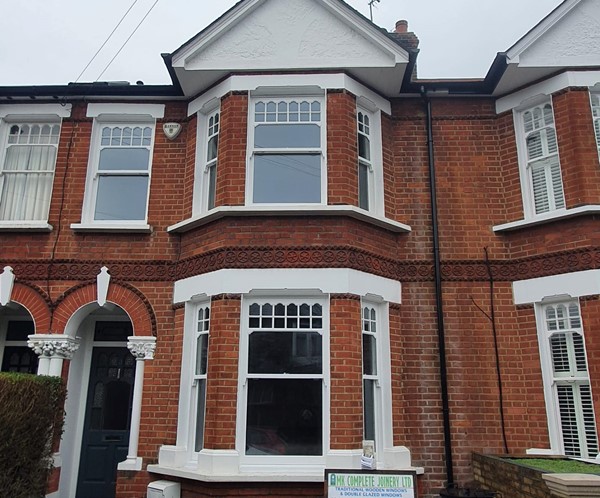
x=566, y=380
x=209, y=124
x=370, y=371
x=538, y=147
x=365, y=166
x=283, y=378
x=286, y=141
x=200, y=371
x=595, y=100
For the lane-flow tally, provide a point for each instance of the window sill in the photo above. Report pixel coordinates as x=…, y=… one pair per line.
x=268, y=476
x=561, y=214
x=319, y=210
x=111, y=227
x=25, y=226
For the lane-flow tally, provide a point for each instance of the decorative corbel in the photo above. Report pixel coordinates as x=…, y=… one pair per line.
x=142, y=348
x=7, y=281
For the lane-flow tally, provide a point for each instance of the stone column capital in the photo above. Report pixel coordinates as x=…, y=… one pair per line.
x=142, y=348
x=53, y=345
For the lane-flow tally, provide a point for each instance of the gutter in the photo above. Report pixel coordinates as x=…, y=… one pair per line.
x=438, y=295
x=82, y=90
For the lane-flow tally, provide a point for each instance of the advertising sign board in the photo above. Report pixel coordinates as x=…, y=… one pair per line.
x=370, y=484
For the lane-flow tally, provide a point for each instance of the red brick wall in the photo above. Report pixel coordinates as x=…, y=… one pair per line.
x=231, y=176
x=590, y=313
x=223, y=356
x=478, y=187
x=577, y=147
x=346, y=374
x=342, y=149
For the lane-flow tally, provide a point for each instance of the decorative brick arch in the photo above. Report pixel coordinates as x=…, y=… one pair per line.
x=36, y=302
x=124, y=295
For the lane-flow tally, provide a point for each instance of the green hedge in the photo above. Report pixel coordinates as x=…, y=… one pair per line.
x=31, y=419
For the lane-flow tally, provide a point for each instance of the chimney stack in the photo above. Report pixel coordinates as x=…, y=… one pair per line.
x=401, y=26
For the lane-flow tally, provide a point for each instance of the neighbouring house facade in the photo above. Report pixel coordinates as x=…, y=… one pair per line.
x=299, y=246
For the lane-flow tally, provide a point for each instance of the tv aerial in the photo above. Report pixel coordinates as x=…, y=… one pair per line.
x=371, y=3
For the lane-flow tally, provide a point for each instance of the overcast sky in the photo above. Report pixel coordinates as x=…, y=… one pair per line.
x=48, y=42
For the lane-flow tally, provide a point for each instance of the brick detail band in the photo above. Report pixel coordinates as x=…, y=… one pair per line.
x=309, y=257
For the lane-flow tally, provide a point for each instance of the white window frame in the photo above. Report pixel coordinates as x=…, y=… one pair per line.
x=195, y=393
x=314, y=285
x=375, y=165
x=552, y=380
x=595, y=107
x=117, y=115
x=202, y=183
x=370, y=320
x=321, y=97
x=248, y=462
x=383, y=417
x=35, y=114
x=525, y=169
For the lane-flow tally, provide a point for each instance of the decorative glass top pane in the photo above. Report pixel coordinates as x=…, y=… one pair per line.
x=280, y=316
x=284, y=111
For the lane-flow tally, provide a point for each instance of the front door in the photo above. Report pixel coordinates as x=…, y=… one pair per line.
x=108, y=413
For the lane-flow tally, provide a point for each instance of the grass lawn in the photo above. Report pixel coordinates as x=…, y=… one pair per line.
x=559, y=465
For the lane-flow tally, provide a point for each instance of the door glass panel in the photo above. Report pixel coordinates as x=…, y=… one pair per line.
x=116, y=406
x=113, y=331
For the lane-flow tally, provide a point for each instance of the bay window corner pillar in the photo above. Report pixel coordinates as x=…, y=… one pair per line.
x=52, y=349
x=142, y=348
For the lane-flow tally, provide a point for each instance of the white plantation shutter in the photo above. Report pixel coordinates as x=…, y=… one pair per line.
x=560, y=353
x=589, y=421
x=540, y=189
x=577, y=420
x=568, y=420
x=542, y=159
x=570, y=380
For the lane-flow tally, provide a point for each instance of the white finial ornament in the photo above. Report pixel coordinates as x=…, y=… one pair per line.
x=7, y=281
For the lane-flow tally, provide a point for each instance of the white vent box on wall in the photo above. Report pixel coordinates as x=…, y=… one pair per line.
x=164, y=489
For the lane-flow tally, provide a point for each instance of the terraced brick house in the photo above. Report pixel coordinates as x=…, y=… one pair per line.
x=299, y=245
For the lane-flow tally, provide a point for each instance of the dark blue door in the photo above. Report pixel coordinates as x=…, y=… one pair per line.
x=107, y=419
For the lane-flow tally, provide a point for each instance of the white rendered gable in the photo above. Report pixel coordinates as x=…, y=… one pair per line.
x=573, y=41
x=569, y=37
x=276, y=35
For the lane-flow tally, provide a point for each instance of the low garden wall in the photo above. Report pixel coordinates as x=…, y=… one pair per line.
x=512, y=477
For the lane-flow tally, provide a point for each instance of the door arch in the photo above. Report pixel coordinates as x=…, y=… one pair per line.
x=107, y=419
x=89, y=437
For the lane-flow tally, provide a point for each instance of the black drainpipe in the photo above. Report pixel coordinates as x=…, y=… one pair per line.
x=438, y=295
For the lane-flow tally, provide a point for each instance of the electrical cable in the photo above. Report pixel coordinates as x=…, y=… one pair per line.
x=127, y=40
x=107, y=40
x=60, y=220
x=495, y=332
x=492, y=318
